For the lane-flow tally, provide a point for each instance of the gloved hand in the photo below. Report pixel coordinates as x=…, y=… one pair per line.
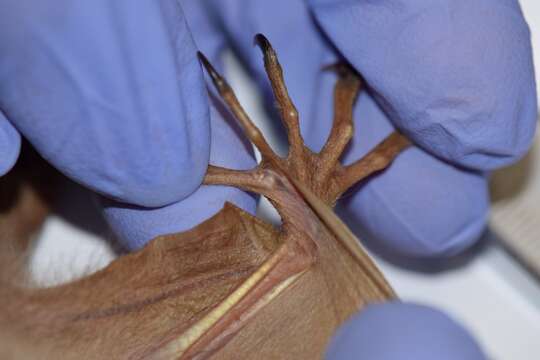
x=399, y=331
x=104, y=93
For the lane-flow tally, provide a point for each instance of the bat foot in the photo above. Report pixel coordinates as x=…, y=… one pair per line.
x=321, y=173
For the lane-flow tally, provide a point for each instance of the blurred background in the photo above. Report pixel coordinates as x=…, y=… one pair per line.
x=493, y=289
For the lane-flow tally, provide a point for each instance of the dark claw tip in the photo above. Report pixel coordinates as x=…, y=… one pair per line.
x=208, y=66
x=203, y=60
x=342, y=69
x=263, y=43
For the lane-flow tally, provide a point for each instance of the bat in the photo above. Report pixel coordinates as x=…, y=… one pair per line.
x=233, y=287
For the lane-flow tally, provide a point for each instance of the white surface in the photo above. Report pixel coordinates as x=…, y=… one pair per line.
x=65, y=252
x=491, y=295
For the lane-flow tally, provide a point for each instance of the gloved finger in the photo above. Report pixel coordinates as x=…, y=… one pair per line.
x=110, y=92
x=421, y=206
x=457, y=77
x=10, y=145
x=135, y=226
x=400, y=331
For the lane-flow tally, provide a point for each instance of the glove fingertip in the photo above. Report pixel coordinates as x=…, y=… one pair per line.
x=163, y=189
x=396, y=330
x=135, y=226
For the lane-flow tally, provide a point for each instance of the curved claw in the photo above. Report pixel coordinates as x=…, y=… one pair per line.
x=219, y=82
x=342, y=69
x=227, y=94
x=288, y=112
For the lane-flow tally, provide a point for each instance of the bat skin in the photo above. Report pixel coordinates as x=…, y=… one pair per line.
x=234, y=287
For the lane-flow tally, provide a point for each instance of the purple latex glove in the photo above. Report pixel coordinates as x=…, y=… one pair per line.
x=399, y=331
x=456, y=77
x=110, y=93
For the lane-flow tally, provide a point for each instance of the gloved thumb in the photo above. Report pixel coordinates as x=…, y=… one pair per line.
x=109, y=92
